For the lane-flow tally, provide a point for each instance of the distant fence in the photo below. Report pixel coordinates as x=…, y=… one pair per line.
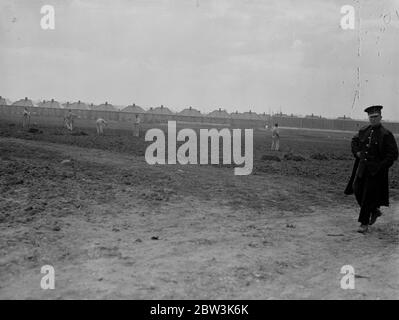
x=327, y=124
x=148, y=117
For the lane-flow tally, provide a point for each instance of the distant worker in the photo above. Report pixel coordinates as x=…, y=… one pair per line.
x=100, y=124
x=275, y=138
x=375, y=151
x=69, y=120
x=26, y=118
x=136, y=126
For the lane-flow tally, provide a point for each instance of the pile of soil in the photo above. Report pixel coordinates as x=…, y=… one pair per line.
x=293, y=157
x=79, y=133
x=319, y=156
x=267, y=157
x=35, y=130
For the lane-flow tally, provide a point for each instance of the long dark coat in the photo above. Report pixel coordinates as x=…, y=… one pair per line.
x=378, y=165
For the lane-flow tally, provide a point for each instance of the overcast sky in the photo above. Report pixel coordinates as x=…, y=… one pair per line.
x=261, y=55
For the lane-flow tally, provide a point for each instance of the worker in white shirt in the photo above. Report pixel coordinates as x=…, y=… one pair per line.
x=69, y=119
x=26, y=118
x=275, y=138
x=100, y=124
x=136, y=126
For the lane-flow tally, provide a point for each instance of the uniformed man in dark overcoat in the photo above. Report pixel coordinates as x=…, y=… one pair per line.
x=375, y=150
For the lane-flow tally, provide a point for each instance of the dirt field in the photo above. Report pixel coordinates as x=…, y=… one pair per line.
x=114, y=227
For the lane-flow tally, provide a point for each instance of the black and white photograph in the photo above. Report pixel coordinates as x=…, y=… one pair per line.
x=199, y=150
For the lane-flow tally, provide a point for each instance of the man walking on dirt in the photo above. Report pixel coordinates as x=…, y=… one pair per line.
x=100, y=124
x=69, y=118
x=275, y=138
x=25, y=118
x=136, y=126
x=375, y=150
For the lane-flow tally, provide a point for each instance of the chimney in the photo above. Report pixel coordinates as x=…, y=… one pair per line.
x=26, y=98
x=44, y=101
x=106, y=102
x=134, y=104
x=161, y=106
x=79, y=102
x=52, y=100
x=220, y=109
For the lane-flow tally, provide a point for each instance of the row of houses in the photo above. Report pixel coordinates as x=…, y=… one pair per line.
x=162, y=114
x=79, y=105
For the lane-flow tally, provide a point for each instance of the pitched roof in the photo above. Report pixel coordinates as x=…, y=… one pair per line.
x=190, y=112
x=133, y=108
x=23, y=103
x=76, y=105
x=246, y=115
x=49, y=104
x=105, y=107
x=160, y=110
x=219, y=114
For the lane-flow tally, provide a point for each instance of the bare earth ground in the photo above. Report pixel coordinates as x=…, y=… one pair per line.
x=114, y=227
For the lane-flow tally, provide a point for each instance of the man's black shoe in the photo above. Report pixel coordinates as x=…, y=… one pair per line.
x=375, y=214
